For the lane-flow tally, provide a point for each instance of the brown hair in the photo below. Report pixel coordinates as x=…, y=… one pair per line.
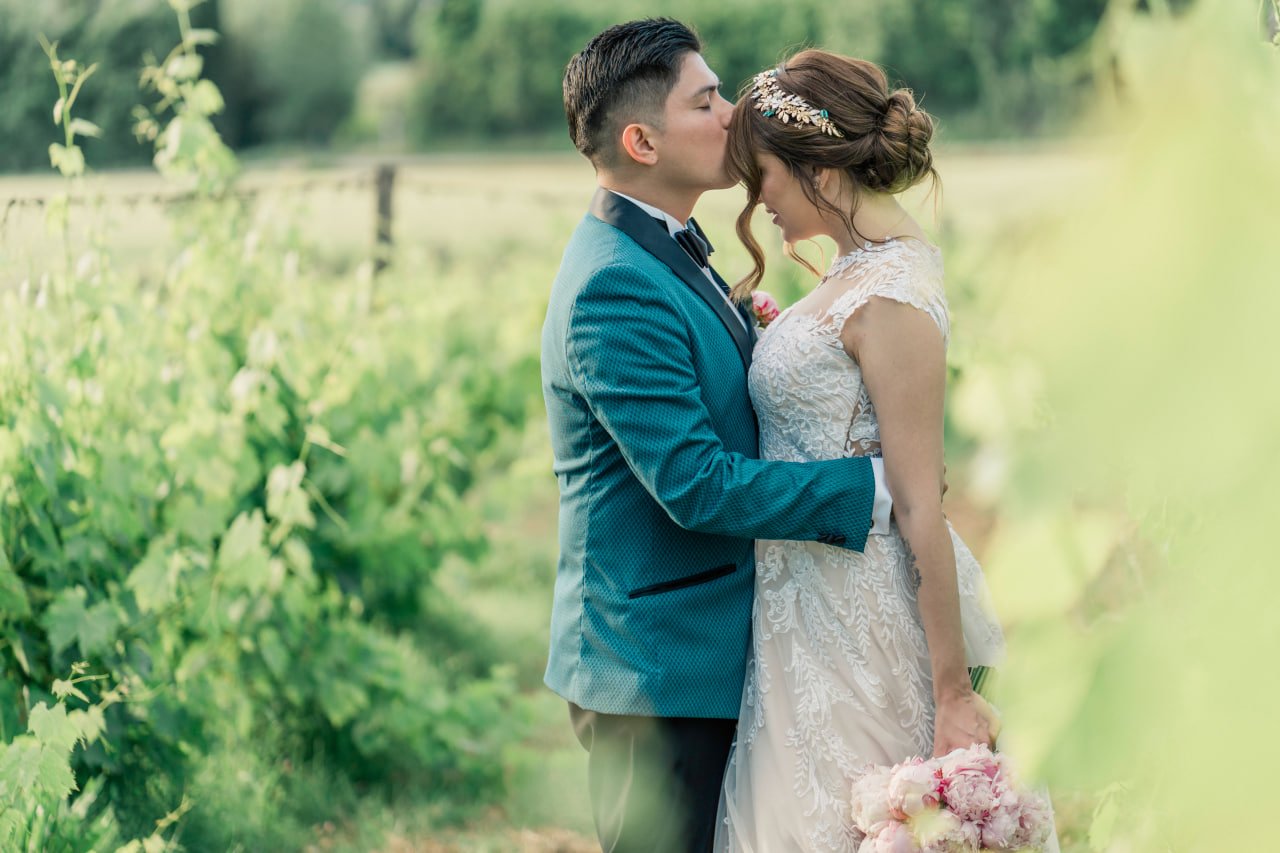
x=623, y=74
x=885, y=147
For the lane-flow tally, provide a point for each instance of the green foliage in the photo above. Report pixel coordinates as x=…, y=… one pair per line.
x=1005, y=68
x=112, y=36
x=287, y=71
x=231, y=497
x=36, y=778
x=475, y=84
x=187, y=143
x=294, y=66
x=1012, y=65
x=1136, y=413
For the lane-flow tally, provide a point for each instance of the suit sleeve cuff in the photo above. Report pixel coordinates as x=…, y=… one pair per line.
x=882, y=509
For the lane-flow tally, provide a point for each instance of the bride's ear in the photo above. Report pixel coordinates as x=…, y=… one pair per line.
x=637, y=142
x=822, y=180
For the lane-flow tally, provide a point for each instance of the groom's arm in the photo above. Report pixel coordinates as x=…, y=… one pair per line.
x=630, y=356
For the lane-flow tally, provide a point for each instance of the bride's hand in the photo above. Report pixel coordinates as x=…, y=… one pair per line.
x=963, y=719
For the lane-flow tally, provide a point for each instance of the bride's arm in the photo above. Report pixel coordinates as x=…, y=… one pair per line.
x=902, y=356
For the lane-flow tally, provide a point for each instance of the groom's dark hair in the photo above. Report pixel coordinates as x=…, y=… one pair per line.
x=624, y=74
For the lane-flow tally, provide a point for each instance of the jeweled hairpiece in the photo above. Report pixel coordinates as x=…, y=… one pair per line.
x=772, y=101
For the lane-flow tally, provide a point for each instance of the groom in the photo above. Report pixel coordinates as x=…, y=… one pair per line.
x=644, y=372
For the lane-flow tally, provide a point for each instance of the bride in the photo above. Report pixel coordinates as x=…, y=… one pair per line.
x=856, y=658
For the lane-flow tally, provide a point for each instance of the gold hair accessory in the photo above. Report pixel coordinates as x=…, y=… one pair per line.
x=772, y=101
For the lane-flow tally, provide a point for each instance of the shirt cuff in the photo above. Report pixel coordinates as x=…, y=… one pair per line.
x=882, y=509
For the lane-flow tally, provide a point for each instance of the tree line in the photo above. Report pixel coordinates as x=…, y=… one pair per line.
x=485, y=71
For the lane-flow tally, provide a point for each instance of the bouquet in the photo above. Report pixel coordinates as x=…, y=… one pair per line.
x=964, y=801
x=765, y=308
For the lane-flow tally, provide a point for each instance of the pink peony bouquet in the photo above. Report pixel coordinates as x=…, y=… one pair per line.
x=765, y=307
x=962, y=802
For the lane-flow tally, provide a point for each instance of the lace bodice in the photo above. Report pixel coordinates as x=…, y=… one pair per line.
x=807, y=391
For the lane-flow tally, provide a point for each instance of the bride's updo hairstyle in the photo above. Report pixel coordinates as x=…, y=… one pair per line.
x=839, y=114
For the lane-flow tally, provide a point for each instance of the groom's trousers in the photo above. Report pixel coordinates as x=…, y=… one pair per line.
x=654, y=781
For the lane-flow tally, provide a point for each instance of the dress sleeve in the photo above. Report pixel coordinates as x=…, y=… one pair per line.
x=899, y=275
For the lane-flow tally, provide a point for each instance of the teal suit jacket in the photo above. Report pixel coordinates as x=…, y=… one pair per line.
x=644, y=373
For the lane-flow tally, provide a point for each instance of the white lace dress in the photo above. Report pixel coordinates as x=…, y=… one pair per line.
x=839, y=673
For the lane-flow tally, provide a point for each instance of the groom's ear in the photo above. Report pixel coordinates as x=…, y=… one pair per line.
x=637, y=142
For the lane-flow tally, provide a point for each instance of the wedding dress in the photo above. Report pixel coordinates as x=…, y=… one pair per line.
x=838, y=675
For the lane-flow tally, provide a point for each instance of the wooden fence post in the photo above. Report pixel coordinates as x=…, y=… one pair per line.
x=382, y=225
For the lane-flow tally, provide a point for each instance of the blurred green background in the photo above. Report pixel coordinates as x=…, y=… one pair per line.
x=428, y=75
x=277, y=522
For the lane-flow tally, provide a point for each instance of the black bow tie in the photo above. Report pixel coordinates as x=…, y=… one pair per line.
x=693, y=243
x=691, y=240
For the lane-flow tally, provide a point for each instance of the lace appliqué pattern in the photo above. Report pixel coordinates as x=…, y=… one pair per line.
x=839, y=673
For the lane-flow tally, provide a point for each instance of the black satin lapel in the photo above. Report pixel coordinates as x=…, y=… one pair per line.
x=639, y=226
x=747, y=314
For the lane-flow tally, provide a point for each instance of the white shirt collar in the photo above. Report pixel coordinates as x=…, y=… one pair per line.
x=673, y=224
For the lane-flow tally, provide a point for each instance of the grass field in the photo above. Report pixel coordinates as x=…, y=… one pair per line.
x=463, y=210
x=458, y=206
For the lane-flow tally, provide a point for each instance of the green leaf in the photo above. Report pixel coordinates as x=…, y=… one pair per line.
x=242, y=558
x=69, y=160
x=154, y=581
x=205, y=98
x=342, y=701
x=20, y=652
x=274, y=654
x=198, y=36
x=287, y=502
x=53, y=773
x=53, y=728
x=99, y=627
x=200, y=521
x=18, y=764
x=67, y=620
x=14, y=603
x=84, y=127
x=90, y=723
x=62, y=688
x=11, y=823
x=186, y=66
x=297, y=557
x=62, y=620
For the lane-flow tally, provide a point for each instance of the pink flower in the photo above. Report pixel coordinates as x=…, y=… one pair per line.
x=964, y=802
x=765, y=307
x=941, y=831
x=976, y=759
x=869, y=799
x=971, y=795
x=913, y=788
x=1000, y=830
x=893, y=837
x=1035, y=821
x=974, y=784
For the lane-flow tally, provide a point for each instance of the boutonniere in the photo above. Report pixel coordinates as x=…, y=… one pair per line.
x=765, y=307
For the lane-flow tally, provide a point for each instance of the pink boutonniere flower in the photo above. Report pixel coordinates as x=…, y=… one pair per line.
x=765, y=307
